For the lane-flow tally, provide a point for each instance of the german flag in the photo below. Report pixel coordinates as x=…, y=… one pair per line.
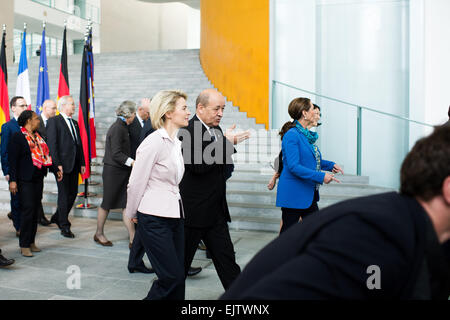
x=83, y=113
x=63, y=87
x=4, y=99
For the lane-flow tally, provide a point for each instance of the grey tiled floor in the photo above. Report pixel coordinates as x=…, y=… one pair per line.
x=104, y=274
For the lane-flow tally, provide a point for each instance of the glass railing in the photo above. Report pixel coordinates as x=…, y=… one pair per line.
x=84, y=11
x=365, y=141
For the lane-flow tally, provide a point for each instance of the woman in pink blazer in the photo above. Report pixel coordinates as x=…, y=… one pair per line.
x=153, y=197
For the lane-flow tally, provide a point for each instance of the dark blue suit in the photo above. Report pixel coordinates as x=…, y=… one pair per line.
x=7, y=131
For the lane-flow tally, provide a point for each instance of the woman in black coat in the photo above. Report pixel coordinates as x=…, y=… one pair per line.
x=29, y=160
x=117, y=164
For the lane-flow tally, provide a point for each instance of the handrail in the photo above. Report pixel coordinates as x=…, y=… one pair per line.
x=352, y=104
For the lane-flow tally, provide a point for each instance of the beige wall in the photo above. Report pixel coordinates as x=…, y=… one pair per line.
x=131, y=25
x=7, y=17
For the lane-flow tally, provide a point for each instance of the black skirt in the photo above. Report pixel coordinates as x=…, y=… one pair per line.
x=115, y=181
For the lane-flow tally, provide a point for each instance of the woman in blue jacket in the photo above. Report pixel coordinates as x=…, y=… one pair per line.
x=298, y=189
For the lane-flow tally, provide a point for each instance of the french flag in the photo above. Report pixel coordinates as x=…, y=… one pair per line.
x=23, y=80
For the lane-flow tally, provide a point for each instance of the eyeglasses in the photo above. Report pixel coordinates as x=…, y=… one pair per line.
x=22, y=106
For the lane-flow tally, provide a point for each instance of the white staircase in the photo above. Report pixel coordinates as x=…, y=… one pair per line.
x=134, y=75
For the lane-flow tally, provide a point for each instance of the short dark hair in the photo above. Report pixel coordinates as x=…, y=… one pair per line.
x=427, y=165
x=24, y=117
x=14, y=100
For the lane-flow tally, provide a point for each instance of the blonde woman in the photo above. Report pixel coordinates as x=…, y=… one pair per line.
x=153, y=199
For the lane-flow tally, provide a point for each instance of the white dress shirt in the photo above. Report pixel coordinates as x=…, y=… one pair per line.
x=66, y=118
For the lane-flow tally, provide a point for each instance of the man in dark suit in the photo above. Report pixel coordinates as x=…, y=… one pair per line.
x=136, y=127
x=48, y=111
x=146, y=130
x=385, y=246
x=18, y=105
x=207, y=155
x=63, y=139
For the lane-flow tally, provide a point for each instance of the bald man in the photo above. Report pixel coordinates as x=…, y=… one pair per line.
x=48, y=111
x=207, y=155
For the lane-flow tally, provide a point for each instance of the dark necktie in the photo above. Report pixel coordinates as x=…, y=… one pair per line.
x=211, y=132
x=72, y=129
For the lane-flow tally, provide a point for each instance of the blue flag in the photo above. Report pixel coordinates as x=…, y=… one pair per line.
x=43, y=90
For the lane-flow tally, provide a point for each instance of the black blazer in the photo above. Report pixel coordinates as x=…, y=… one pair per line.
x=21, y=166
x=328, y=255
x=135, y=130
x=42, y=129
x=117, y=145
x=63, y=148
x=146, y=130
x=203, y=186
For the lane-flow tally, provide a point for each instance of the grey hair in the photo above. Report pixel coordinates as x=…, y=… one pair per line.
x=63, y=101
x=126, y=109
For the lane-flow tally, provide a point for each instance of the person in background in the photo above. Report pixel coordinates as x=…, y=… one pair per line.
x=136, y=127
x=154, y=200
x=64, y=141
x=298, y=189
x=386, y=246
x=48, y=111
x=116, y=171
x=29, y=161
x=18, y=105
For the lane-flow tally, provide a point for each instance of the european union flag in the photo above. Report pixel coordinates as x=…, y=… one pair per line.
x=43, y=90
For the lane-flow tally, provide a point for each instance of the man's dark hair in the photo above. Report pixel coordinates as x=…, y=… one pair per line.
x=427, y=165
x=24, y=117
x=14, y=100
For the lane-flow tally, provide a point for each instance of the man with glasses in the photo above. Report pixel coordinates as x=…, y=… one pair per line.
x=18, y=105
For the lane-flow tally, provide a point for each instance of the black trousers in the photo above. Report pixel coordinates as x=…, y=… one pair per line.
x=15, y=210
x=163, y=241
x=292, y=216
x=67, y=193
x=30, y=195
x=218, y=241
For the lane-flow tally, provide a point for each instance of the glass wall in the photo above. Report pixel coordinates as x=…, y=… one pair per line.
x=84, y=9
x=355, y=51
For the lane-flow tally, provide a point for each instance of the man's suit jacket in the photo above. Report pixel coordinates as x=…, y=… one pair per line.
x=21, y=166
x=42, y=129
x=117, y=145
x=8, y=129
x=328, y=255
x=63, y=149
x=203, y=185
x=135, y=130
x=146, y=130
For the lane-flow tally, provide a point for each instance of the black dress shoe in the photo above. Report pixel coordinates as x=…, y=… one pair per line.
x=9, y=215
x=67, y=233
x=141, y=269
x=194, y=271
x=44, y=222
x=5, y=262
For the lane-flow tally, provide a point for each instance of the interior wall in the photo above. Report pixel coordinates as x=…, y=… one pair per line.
x=235, y=52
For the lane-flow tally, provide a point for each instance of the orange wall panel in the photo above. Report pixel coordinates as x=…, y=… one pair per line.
x=234, y=52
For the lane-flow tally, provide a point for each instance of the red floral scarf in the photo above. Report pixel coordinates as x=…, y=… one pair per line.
x=39, y=150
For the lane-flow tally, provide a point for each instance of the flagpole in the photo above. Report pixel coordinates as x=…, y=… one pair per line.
x=86, y=204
